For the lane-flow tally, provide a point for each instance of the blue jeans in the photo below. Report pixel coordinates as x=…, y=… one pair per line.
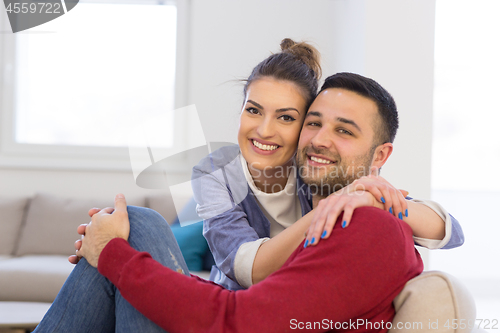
x=88, y=302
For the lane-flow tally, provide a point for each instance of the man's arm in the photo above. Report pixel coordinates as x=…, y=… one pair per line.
x=353, y=275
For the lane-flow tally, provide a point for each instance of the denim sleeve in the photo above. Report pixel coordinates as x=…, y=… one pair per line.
x=454, y=236
x=225, y=234
x=457, y=235
x=218, y=189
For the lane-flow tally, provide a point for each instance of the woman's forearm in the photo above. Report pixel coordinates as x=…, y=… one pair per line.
x=275, y=252
x=424, y=222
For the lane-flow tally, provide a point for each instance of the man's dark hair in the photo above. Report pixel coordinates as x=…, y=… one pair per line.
x=370, y=89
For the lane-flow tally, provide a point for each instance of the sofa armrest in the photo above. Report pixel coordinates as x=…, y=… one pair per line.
x=434, y=298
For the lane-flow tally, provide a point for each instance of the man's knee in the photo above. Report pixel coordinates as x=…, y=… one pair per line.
x=148, y=229
x=145, y=218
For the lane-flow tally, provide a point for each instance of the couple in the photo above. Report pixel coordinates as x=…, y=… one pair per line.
x=340, y=272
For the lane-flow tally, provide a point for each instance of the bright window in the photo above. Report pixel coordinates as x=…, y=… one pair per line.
x=84, y=78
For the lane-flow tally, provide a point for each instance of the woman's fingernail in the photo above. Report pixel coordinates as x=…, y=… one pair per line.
x=312, y=240
x=306, y=242
x=323, y=234
x=383, y=200
x=344, y=224
x=406, y=212
x=390, y=210
x=400, y=215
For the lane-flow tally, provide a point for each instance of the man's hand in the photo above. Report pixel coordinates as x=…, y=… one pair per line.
x=106, y=224
x=74, y=259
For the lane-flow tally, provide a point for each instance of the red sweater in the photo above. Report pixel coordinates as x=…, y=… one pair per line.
x=346, y=283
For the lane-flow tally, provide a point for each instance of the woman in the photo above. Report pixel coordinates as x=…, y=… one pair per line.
x=252, y=202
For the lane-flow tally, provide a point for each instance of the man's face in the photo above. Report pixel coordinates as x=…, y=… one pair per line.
x=336, y=145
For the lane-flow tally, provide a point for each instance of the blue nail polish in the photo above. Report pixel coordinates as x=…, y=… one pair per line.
x=383, y=200
x=323, y=234
x=312, y=240
x=390, y=210
x=306, y=242
x=400, y=215
x=406, y=212
x=343, y=224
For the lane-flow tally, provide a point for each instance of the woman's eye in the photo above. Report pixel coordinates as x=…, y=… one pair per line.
x=252, y=110
x=287, y=118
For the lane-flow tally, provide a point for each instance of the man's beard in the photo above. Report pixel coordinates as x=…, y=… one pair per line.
x=325, y=180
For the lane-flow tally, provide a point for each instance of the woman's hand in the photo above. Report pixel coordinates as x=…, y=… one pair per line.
x=383, y=195
x=393, y=199
x=330, y=208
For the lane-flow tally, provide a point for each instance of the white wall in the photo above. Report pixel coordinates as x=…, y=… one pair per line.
x=388, y=40
x=391, y=41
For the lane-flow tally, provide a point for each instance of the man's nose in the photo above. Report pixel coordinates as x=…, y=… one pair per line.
x=323, y=138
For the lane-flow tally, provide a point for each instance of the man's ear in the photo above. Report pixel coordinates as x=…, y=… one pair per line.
x=381, y=154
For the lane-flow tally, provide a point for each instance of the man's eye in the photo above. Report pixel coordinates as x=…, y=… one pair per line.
x=252, y=110
x=312, y=123
x=343, y=131
x=287, y=118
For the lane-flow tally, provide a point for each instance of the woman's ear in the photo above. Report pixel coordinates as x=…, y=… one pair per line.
x=381, y=154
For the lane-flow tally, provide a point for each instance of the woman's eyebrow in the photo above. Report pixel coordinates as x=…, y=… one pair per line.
x=278, y=110
x=287, y=109
x=255, y=103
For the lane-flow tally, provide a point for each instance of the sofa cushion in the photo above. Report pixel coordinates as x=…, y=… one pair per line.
x=51, y=223
x=33, y=278
x=430, y=300
x=11, y=218
x=164, y=204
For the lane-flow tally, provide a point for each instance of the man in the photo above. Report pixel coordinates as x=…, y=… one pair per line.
x=347, y=282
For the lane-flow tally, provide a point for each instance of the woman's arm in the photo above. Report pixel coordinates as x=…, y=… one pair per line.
x=433, y=227
x=276, y=251
x=424, y=221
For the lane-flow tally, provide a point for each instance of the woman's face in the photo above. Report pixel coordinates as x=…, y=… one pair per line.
x=270, y=123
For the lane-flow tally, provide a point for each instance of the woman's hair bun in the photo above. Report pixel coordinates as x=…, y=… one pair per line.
x=305, y=52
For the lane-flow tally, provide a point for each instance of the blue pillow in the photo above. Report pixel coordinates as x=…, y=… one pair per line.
x=188, y=213
x=193, y=245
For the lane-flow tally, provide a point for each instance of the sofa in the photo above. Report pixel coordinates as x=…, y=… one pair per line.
x=37, y=235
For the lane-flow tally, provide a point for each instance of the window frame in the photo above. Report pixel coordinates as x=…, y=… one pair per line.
x=72, y=157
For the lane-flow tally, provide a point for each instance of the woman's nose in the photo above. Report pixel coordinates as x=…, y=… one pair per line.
x=266, y=128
